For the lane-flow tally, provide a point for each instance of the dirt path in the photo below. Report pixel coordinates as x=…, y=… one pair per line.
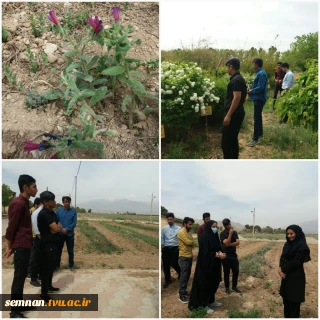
x=19, y=124
x=255, y=291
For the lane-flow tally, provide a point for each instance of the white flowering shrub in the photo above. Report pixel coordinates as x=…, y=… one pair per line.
x=185, y=92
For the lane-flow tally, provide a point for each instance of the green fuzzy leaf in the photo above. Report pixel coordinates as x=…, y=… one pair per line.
x=99, y=95
x=106, y=132
x=114, y=71
x=122, y=38
x=125, y=102
x=92, y=62
x=73, y=66
x=52, y=94
x=137, y=74
x=100, y=81
x=70, y=53
x=83, y=76
x=123, y=47
x=85, y=58
x=86, y=94
x=136, y=85
x=131, y=60
x=122, y=78
x=137, y=41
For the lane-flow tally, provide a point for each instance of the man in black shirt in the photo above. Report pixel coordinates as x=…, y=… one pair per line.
x=229, y=241
x=49, y=227
x=234, y=111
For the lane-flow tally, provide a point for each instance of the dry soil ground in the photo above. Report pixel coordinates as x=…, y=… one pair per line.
x=254, y=291
x=19, y=124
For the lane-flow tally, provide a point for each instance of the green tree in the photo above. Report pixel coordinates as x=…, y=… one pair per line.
x=89, y=211
x=7, y=196
x=164, y=211
x=305, y=47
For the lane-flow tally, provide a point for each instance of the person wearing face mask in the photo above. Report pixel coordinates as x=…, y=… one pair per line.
x=207, y=276
x=230, y=240
x=186, y=244
x=293, y=280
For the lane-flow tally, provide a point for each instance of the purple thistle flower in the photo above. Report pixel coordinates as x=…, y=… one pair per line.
x=30, y=146
x=96, y=24
x=116, y=14
x=53, y=18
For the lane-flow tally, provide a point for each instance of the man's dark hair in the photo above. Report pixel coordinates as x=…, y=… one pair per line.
x=285, y=65
x=258, y=62
x=170, y=215
x=226, y=222
x=67, y=198
x=206, y=215
x=36, y=201
x=186, y=220
x=279, y=63
x=234, y=62
x=25, y=180
x=47, y=196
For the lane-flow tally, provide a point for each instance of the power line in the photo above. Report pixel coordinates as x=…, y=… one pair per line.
x=79, y=168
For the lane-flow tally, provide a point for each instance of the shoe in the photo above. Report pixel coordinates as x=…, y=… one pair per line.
x=53, y=289
x=72, y=269
x=183, y=299
x=15, y=314
x=45, y=297
x=252, y=143
x=228, y=291
x=29, y=276
x=215, y=304
x=208, y=310
x=187, y=294
x=235, y=289
x=166, y=284
x=260, y=138
x=35, y=283
x=26, y=309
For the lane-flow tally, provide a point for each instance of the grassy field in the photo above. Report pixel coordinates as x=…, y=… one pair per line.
x=270, y=236
x=142, y=226
x=114, y=216
x=281, y=141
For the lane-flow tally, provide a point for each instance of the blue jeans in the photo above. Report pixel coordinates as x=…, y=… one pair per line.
x=257, y=118
x=70, y=245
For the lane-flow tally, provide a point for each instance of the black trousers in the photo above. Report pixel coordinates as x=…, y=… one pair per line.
x=276, y=91
x=213, y=296
x=185, y=267
x=229, y=142
x=35, y=259
x=170, y=257
x=20, y=262
x=49, y=252
x=291, y=309
x=230, y=264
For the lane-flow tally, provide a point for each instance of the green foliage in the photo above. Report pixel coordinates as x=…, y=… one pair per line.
x=252, y=313
x=34, y=100
x=185, y=91
x=198, y=313
x=34, y=67
x=305, y=47
x=267, y=284
x=37, y=25
x=7, y=196
x=97, y=242
x=300, y=104
x=75, y=21
x=142, y=226
x=4, y=34
x=12, y=78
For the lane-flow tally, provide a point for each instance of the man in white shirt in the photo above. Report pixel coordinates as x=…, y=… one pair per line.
x=35, y=257
x=288, y=79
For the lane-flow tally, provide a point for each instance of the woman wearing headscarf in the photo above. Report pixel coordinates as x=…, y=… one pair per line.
x=207, y=275
x=295, y=253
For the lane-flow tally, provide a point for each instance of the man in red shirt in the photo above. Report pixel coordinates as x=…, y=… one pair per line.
x=19, y=239
x=278, y=78
x=206, y=219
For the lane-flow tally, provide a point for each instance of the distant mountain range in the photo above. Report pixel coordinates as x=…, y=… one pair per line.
x=122, y=205
x=309, y=226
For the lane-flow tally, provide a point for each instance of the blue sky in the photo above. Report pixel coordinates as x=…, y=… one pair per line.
x=236, y=25
x=109, y=180
x=283, y=192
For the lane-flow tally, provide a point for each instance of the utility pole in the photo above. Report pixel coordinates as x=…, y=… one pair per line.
x=152, y=197
x=75, y=192
x=254, y=218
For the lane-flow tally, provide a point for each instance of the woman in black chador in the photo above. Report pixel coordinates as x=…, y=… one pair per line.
x=207, y=275
x=293, y=284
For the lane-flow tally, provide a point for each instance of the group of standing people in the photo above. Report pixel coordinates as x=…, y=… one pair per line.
x=216, y=252
x=237, y=92
x=37, y=240
x=177, y=244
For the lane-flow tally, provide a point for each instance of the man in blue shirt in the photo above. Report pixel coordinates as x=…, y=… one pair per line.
x=258, y=94
x=288, y=79
x=68, y=218
x=170, y=248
